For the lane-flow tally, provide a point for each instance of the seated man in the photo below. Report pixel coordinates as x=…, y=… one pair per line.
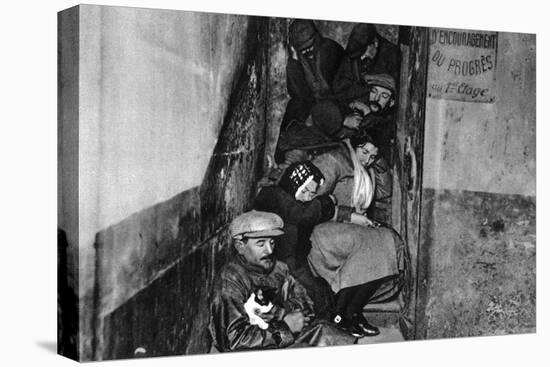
x=310, y=70
x=378, y=112
x=367, y=53
x=371, y=114
x=256, y=303
x=312, y=64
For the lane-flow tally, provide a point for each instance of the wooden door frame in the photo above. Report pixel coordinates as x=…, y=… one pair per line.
x=409, y=150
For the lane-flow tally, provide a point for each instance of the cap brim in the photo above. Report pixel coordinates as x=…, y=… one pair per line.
x=269, y=233
x=380, y=84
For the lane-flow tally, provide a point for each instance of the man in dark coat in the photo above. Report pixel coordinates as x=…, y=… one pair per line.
x=371, y=114
x=310, y=71
x=367, y=52
x=257, y=303
x=370, y=60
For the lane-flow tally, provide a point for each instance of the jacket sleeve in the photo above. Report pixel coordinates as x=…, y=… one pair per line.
x=275, y=200
x=347, y=87
x=319, y=210
x=383, y=178
x=233, y=330
x=335, y=55
x=301, y=97
x=330, y=169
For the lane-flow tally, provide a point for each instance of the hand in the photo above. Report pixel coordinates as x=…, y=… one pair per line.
x=357, y=105
x=361, y=220
x=293, y=53
x=276, y=313
x=308, y=316
x=295, y=321
x=352, y=121
x=267, y=316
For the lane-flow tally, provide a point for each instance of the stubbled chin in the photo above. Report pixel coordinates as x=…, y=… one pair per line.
x=267, y=267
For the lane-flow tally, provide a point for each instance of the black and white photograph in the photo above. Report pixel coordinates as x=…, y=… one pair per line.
x=278, y=182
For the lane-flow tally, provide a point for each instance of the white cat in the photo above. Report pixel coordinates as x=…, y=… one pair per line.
x=253, y=309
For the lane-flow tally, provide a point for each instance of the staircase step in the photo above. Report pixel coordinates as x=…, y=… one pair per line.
x=391, y=306
x=387, y=335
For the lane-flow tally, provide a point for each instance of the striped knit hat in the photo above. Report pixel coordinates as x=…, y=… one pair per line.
x=298, y=175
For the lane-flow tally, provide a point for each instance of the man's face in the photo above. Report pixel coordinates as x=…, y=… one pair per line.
x=366, y=154
x=307, y=193
x=258, y=252
x=380, y=99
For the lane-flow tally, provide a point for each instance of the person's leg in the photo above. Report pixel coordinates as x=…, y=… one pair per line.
x=343, y=298
x=356, y=304
x=361, y=296
x=342, y=316
x=318, y=290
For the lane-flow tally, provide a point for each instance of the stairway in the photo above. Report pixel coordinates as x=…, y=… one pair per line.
x=386, y=317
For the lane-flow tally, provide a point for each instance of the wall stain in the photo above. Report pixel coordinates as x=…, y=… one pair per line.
x=481, y=280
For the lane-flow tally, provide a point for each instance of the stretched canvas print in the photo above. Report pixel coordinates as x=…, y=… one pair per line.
x=234, y=183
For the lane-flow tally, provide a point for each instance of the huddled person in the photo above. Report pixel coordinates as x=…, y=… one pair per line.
x=367, y=53
x=358, y=177
x=257, y=303
x=318, y=245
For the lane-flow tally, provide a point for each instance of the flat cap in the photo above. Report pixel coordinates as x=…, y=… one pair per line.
x=256, y=224
x=383, y=80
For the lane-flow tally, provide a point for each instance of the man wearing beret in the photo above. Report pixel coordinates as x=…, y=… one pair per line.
x=254, y=285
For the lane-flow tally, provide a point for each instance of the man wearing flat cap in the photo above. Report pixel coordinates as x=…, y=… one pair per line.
x=370, y=114
x=256, y=303
x=376, y=109
x=367, y=53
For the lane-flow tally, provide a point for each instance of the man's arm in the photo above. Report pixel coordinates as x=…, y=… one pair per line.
x=383, y=178
x=301, y=97
x=347, y=85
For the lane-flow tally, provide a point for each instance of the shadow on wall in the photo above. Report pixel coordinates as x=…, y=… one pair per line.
x=67, y=303
x=154, y=270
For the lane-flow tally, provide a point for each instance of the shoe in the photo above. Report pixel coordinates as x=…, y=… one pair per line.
x=350, y=327
x=368, y=329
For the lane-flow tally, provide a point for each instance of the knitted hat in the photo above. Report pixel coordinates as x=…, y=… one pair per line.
x=361, y=35
x=302, y=33
x=298, y=175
